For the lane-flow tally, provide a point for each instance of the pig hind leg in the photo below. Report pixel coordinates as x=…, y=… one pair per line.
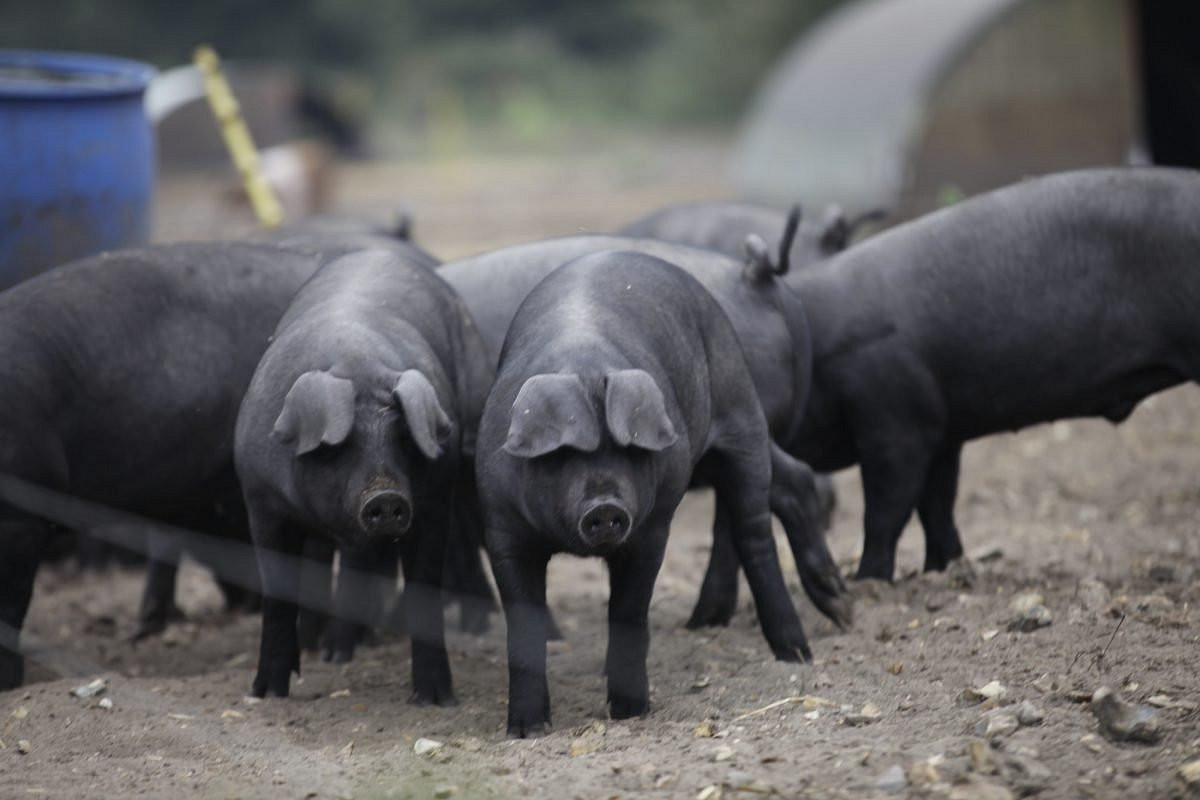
x=936, y=510
x=22, y=545
x=719, y=591
x=893, y=479
x=366, y=583
x=796, y=501
x=742, y=482
x=423, y=556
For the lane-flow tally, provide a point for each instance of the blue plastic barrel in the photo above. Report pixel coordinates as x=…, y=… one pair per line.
x=76, y=158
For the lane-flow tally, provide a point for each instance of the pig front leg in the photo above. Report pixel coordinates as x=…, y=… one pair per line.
x=22, y=545
x=521, y=578
x=423, y=557
x=744, y=484
x=278, y=547
x=631, y=580
x=936, y=510
x=795, y=500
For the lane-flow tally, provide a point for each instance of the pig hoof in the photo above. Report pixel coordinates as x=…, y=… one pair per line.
x=794, y=648
x=442, y=698
x=526, y=730
x=337, y=655
x=265, y=687
x=829, y=594
x=705, y=615
x=627, y=707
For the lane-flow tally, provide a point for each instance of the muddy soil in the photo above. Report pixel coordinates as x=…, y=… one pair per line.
x=1097, y=520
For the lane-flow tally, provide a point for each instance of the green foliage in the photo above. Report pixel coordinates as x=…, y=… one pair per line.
x=525, y=68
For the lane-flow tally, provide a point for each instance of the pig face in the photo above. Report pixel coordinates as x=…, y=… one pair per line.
x=363, y=456
x=587, y=485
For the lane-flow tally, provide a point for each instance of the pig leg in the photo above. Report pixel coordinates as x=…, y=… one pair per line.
x=316, y=586
x=158, y=594
x=466, y=579
x=365, y=577
x=744, y=479
x=719, y=591
x=521, y=578
x=22, y=545
x=936, y=510
x=796, y=502
x=278, y=547
x=631, y=577
x=892, y=482
x=423, y=555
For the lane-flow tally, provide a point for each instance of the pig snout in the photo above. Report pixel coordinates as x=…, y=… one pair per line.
x=385, y=512
x=605, y=523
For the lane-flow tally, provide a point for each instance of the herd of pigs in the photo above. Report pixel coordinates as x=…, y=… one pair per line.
x=332, y=387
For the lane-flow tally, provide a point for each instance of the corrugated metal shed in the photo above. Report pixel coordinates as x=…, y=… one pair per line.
x=905, y=103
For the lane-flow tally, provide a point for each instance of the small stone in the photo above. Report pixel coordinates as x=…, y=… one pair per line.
x=906, y=704
x=812, y=716
x=989, y=634
x=1028, y=714
x=705, y=730
x=992, y=690
x=442, y=792
x=892, y=780
x=1092, y=742
x=1025, y=774
x=230, y=713
x=701, y=683
x=1025, y=601
x=21, y=712
x=723, y=753
x=895, y=668
x=424, y=747
x=1125, y=722
x=997, y=724
x=1189, y=773
x=106, y=703
x=822, y=681
x=979, y=753
x=23, y=746
x=339, y=693
x=583, y=745
x=1092, y=595
x=709, y=793
x=1031, y=619
x=1159, y=701
x=866, y=715
x=90, y=689
x=923, y=773
x=978, y=789
x=987, y=552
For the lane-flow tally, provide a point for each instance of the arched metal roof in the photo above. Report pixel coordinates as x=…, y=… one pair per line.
x=835, y=119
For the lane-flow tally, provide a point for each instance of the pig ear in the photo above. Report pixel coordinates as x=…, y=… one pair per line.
x=636, y=411
x=427, y=421
x=551, y=411
x=318, y=409
x=835, y=230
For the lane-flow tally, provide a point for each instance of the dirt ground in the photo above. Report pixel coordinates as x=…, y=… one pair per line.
x=1098, y=520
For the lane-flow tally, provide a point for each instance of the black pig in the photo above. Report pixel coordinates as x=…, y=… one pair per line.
x=120, y=384
x=620, y=377
x=352, y=428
